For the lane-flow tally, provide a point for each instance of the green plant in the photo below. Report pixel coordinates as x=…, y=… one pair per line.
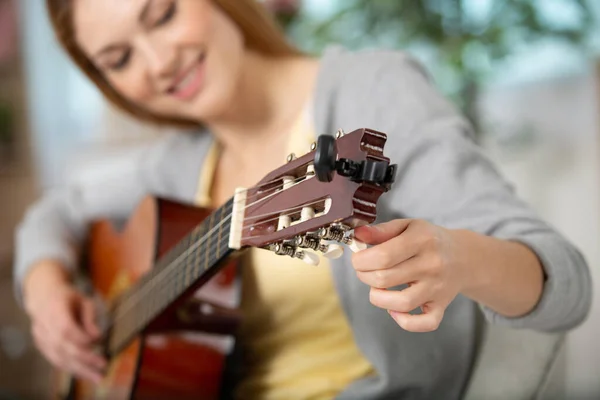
x=464, y=40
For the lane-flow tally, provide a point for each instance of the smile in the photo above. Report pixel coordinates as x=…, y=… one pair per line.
x=188, y=85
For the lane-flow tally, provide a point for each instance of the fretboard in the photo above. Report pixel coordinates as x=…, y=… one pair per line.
x=187, y=264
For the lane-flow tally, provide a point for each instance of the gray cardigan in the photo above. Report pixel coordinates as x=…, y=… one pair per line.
x=443, y=177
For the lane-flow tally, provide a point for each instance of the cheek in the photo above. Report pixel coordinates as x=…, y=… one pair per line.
x=194, y=23
x=226, y=52
x=133, y=87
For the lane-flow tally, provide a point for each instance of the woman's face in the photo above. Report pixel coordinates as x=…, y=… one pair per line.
x=177, y=58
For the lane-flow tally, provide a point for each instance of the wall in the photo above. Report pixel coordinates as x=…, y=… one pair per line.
x=64, y=107
x=16, y=175
x=558, y=172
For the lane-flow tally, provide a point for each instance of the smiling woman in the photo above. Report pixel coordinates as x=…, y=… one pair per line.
x=103, y=47
x=452, y=233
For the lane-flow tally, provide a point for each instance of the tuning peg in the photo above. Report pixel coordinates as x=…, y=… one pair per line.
x=290, y=250
x=337, y=233
x=307, y=214
x=308, y=257
x=339, y=133
x=310, y=171
x=331, y=233
x=332, y=251
x=356, y=245
x=282, y=249
x=291, y=157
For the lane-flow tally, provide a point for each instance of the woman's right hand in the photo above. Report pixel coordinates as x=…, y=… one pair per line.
x=62, y=321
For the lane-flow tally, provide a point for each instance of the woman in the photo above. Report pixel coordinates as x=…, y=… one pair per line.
x=222, y=68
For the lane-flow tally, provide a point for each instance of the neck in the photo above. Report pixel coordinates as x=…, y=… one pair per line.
x=270, y=95
x=177, y=275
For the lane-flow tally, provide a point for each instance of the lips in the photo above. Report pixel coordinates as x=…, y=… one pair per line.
x=189, y=84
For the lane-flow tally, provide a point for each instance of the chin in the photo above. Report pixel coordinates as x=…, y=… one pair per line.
x=210, y=106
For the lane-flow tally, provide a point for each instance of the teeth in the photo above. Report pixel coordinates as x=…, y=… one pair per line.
x=188, y=79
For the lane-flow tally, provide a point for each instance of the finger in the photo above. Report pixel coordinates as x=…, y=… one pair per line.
x=69, y=358
x=84, y=355
x=400, y=300
x=400, y=274
x=385, y=255
x=88, y=318
x=45, y=347
x=376, y=234
x=37, y=333
x=62, y=325
x=40, y=338
x=428, y=321
x=63, y=353
x=84, y=371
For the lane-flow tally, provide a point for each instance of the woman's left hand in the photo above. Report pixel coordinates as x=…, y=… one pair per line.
x=416, y=253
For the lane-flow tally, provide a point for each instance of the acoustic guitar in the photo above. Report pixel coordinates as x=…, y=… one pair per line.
x=168, y=277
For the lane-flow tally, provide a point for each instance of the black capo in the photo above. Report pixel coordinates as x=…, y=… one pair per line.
x=379, y=173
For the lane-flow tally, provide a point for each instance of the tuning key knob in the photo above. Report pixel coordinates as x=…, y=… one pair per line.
x=356, y=245
x=333, y=251
x=308, y=257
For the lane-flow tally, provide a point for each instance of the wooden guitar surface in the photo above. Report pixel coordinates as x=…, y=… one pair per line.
x=162, y=363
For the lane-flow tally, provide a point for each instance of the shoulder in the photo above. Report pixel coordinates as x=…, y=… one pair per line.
x=388, y=90
x=372, y=66
x=170, y=165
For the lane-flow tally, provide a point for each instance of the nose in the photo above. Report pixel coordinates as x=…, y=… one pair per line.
x=161, y=60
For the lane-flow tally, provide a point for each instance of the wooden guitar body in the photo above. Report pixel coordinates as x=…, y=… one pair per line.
x=171, y=359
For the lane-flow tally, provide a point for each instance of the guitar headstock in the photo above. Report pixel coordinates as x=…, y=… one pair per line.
x=317, y=198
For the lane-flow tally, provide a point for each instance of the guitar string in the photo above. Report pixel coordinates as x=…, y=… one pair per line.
x=295, y=181
x=215, y=246
x=271, y=189
x=177, y=274
x=191, y=248
x=194, y=245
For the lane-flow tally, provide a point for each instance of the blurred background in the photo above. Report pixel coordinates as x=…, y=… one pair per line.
x=525, y=72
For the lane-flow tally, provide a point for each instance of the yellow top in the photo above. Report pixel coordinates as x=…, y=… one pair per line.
x=298, y=342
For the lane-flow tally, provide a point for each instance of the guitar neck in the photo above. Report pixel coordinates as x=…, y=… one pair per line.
x=294, y=210
x=188, y=264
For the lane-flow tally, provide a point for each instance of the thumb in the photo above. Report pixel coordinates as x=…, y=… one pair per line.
x=377, y=234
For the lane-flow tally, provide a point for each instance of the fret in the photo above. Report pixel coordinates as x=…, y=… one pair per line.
x=186, y=272
x=173, y=275
x=220, y=229
x=195, y=237
x=225, y=239
x=207, y=248
x=189, y=266
x=197, y=253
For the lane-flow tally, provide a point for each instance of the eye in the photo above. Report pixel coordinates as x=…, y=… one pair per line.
x=122, y=61
x=168, y=15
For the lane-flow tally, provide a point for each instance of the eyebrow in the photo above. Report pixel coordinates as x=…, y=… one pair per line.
x=143, y=16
